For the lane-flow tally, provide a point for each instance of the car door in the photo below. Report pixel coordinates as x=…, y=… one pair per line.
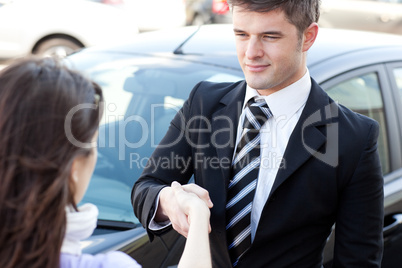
x=393, y=186
x=371, y=91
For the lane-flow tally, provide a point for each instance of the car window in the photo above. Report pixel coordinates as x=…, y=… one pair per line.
x=142, y=96
x=362, y=94
x=398, y=79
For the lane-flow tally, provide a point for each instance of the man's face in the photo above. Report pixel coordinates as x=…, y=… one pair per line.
x=268, y=49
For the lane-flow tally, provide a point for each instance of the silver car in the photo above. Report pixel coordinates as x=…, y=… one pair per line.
x=146, y=82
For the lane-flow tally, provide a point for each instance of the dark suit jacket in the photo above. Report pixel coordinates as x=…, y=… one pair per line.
x=331, y=173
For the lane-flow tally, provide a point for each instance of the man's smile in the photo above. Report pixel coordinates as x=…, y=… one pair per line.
x=257, y=67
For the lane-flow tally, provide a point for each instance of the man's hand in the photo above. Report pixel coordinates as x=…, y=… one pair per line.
x=170, y=207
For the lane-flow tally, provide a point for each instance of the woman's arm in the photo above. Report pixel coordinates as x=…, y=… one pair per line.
x=197, y=252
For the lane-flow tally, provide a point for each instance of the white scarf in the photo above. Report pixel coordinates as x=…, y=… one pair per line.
x=80, y=225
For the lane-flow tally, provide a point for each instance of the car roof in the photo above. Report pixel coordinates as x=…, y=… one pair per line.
x=214, y=44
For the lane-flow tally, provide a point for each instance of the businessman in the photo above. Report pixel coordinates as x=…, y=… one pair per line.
x=277, y=161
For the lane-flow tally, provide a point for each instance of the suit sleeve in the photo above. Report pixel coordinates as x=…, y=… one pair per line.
x=359, y=223
x=171, y=161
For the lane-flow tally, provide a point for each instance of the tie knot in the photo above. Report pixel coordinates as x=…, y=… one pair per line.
x=257, y=113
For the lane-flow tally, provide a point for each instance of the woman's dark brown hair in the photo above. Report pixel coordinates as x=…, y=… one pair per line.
x=36, y=156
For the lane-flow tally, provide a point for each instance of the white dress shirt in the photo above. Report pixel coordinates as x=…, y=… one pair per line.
x=286, y=106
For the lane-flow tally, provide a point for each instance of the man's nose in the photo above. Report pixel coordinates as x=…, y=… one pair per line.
x=254, y=48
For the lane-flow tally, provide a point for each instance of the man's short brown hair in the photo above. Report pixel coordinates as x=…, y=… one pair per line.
x=300, y=13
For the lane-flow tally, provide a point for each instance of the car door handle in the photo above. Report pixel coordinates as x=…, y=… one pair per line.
x=396, y=221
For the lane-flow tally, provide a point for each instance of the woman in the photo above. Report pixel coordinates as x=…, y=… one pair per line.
x=49, y=117
x=47, y=156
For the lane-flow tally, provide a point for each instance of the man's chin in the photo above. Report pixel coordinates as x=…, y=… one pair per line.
x=257, y=85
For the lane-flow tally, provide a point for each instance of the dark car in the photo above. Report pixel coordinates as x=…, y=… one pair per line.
x=146, y=82
x=200, y=12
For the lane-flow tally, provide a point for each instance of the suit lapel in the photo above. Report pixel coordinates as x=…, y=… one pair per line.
x=308, y=135
x=224, y=125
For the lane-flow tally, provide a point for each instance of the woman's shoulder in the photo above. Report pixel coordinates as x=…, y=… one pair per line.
x=114, y=259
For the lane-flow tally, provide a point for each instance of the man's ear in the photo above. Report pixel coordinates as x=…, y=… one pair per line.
x=309, y=36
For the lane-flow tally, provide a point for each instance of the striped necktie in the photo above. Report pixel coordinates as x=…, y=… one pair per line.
x=241, y=188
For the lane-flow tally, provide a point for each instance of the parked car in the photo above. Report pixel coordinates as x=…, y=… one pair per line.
x=368, y=15
x=58, y=27
x=200, y=12
x=146, y=82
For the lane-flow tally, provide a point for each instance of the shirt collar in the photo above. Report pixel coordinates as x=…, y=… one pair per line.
x=287, y=101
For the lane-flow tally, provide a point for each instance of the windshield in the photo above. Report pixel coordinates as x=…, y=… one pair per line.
x=142, y=95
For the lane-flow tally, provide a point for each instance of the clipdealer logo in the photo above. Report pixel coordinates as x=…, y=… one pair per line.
x=331, y=155
x=147, y=131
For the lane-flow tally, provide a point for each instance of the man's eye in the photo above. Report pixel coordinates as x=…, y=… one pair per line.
x=271, y=37
x=240, y=34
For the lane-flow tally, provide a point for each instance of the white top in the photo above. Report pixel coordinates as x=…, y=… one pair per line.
x=80, y=225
